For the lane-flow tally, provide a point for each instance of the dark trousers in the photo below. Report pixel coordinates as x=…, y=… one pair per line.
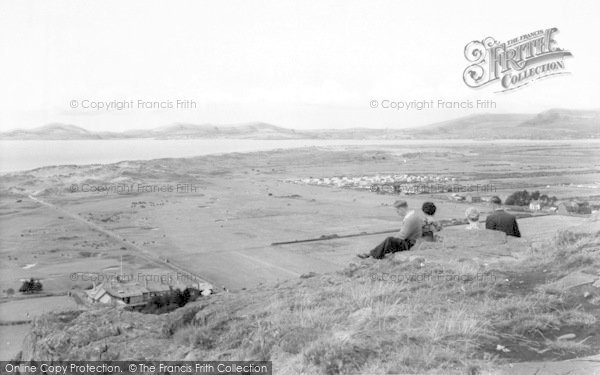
x=390, y=245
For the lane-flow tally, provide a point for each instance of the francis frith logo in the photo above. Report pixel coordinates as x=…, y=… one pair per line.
x=514, y=63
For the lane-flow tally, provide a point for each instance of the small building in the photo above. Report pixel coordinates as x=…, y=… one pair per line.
x=99, y=294
x=122, y=293
x=119, y=293
x=473, y=198
x=535, y=205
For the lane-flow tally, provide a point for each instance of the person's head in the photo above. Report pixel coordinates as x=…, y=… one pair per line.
x=401, y=207
x=472, y=214
x=429, y=208
x=495, y=202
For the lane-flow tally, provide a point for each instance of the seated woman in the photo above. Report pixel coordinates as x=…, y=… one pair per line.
x=430, y=226
x=473, y=218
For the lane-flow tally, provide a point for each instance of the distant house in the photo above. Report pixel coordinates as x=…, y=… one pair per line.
x=473, y=198
x=125, y=293
x=134, y=294
x=99, y=294
x=535, y=205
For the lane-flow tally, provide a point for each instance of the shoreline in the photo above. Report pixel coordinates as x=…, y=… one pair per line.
x=292, y=144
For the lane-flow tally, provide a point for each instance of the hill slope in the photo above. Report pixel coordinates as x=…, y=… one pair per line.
x=474, y=127
x=439, y=309
x=552, y=124
x=566, y=120
x=254, y=130
x=51, y=132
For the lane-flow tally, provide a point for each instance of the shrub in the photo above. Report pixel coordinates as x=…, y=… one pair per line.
x=168, y=302
x=519, y=198
x=565, y=238
x=335, y=359
x=31, y=286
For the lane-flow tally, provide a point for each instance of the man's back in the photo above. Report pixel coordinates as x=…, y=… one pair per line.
x=412, y=227
x=503, y=221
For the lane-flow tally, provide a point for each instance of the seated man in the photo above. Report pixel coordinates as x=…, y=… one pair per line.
x=412, y=226
x=502, y=220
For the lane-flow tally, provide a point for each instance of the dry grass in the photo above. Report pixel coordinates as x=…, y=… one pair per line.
x=577, y=318
x=349, y=323
x=568, y=345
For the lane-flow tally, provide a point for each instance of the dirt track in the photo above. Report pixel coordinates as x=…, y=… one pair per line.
x=140, y=251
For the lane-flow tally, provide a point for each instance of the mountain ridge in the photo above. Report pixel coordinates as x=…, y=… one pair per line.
x=550, y=124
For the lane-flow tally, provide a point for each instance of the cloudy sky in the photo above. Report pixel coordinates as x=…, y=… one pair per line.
x=296, y=64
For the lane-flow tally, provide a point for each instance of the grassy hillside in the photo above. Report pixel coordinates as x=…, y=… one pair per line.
x=355, y=321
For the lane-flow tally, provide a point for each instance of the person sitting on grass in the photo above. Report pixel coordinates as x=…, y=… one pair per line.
x=411, y=231
x=473, y=217
x=430, y=226
x=502, y=220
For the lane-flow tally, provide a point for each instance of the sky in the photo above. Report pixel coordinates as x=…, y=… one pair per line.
x=296, y=64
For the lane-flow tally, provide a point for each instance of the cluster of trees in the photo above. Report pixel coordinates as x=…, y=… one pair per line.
x=31, y=286
x=523, y=198
x=170, y=301
x=579, y=207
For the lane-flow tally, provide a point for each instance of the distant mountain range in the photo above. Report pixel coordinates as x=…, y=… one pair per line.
x=176, y=131
x=551, y=124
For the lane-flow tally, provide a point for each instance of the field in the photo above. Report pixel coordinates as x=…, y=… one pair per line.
x=14, y=316
x=27, y=309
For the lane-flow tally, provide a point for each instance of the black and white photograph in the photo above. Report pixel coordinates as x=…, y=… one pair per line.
x=195, y=187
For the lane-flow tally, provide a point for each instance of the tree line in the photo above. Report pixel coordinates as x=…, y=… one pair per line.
x=523, y=198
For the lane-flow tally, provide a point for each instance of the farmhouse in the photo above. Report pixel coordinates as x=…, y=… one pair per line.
x=125, y=293
x=535, y=205
x=133, y=293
